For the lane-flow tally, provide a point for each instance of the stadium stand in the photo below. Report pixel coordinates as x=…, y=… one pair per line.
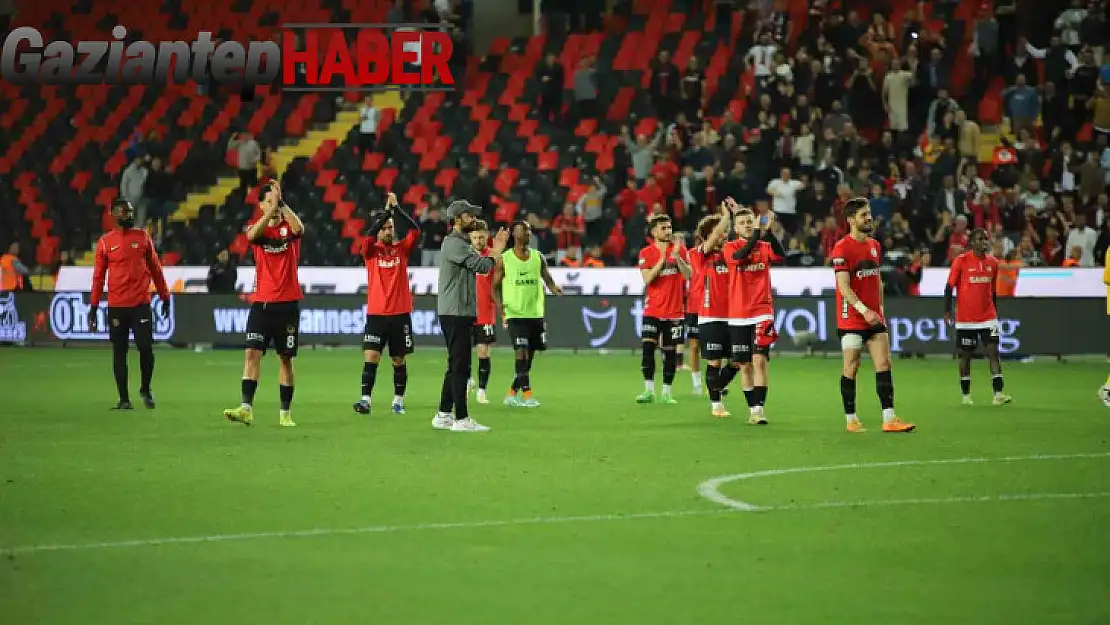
x=488, y=143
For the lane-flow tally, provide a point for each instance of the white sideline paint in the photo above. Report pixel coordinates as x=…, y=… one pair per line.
x=710, y=489
x=707, y=489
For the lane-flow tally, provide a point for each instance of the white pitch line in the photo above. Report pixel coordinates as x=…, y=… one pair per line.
x=373, y=529
x=730, y=508
x=710, y=489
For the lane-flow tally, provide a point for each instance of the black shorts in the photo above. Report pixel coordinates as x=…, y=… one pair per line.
x=716, y=344
x=274, y=323
x=692, y=330
x=968, y=340
x=664, y=332
x=866, y=335
x=392, y=331
x=743, y=344
x=485, y=334
x=137, y=320
x=530, y=334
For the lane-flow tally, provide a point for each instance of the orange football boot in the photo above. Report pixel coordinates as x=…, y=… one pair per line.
x=855, y=426
x=897, y=425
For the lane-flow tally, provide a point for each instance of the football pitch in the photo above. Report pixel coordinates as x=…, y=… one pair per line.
x=589, y=509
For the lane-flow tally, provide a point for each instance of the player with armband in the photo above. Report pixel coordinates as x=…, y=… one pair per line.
x=485, y=328
x=751, y=305
x=859, y=320
x=711, y=280
x=972, y=275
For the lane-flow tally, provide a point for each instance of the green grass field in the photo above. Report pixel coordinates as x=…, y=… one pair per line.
x=586, y=510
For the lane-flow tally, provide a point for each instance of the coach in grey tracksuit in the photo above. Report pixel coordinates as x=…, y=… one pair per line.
x=457, y=304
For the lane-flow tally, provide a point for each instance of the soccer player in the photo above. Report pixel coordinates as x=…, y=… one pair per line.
x=664, y=269
x=751, y=306
x=521, y=283
x=485, y=328
x=388, y=302
x=126, y=257
x=859, y=319
x=694, y=294
x=274, y=318
x=973, y=274
x=708, y=265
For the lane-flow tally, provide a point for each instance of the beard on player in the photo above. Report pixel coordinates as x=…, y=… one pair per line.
x=479, y=237
x=124, y=214
x=858, y=211
x=662, y=231
x=386, y=234
x=980, y=242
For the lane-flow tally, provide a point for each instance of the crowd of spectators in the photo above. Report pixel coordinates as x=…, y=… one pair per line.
x=844, y=105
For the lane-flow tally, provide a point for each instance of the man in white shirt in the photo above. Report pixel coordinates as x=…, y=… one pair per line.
x=368, y=126
x=1083, y=237
x=762, y=59
x=784, y=199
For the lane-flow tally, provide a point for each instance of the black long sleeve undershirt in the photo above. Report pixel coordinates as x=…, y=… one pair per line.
x=776, y=245
x=948, y=299
x=746, y=249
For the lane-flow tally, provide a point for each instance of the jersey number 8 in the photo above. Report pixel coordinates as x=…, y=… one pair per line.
x=291, y=341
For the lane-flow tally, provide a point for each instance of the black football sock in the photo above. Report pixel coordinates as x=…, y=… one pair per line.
x=670, y=366
x=750, y=397
x=249, y=387
x=400, y=379
x=647, y=362
x=521, y=381
x=848, y=394
x=286, y=395
x=485, y=366
x=884, y=388
x=728, y=373
x=369, y=376
x=996, y=370
x=146, y=369
x=713, y=382
x=965, y=385
x=119, y=370
x=760, y=395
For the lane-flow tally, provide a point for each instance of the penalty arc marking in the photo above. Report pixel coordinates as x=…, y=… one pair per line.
x=711, y=488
